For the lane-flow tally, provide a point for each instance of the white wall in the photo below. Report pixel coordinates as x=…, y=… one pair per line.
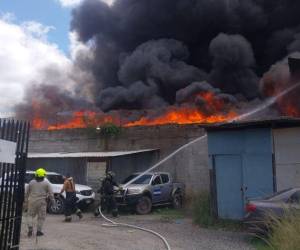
x=287, y=157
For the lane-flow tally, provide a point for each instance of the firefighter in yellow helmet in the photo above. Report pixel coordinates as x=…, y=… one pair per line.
x=36, y=194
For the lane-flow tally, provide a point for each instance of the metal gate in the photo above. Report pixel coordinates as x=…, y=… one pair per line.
x=14, y=137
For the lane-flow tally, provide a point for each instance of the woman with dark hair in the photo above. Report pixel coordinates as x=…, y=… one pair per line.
x=70, y=202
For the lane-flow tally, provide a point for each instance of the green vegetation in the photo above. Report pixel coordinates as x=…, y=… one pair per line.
x=203, y=216
x=110, y=129
x=259, y=244
x=106, y=130
x=285, y=231
x=169, y=214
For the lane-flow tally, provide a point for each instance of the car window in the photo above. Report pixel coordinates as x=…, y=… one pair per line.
x=165, y=178
x=28, y=177
x=144, y=179
x=156, y=181
x=295, y=198
x=280, y=196
x=55, y=179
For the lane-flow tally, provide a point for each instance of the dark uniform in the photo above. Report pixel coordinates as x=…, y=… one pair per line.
x=108, y=200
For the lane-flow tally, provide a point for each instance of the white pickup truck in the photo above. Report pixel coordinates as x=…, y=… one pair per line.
x=84, y=194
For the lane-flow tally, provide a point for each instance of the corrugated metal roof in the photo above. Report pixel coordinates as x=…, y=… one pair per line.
x=87, y=154
x=281, y=122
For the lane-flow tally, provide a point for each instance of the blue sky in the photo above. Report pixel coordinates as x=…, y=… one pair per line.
x=34, y=36
x=46, y=12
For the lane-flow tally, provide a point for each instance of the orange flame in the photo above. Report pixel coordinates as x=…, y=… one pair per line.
x=290, y=110
x=212, y=111
x=273, y=84
x=182, y=115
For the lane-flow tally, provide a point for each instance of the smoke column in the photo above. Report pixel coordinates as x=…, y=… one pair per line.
x=162, y=46
x=148, y=54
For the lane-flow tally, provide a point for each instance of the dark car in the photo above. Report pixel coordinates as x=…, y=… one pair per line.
x=261, y=211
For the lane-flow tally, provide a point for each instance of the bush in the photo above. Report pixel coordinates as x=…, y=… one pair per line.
x=203, y=216
x=201, y=210
x=285, y=231
x=260, y=244
x=110, y=129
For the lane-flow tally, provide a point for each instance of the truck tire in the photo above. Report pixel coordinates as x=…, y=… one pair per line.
x=60, y=206
x=144, y=205
x=177, y=200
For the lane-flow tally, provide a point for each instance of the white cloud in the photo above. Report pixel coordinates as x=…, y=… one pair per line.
x=8, y=16
x=24, y=55
x=36, y=29
x=72, y=3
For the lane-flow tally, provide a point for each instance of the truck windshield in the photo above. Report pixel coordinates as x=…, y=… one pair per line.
x=145, y=179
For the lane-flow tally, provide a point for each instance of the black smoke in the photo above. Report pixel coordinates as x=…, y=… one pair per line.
x=233, y=60
x=145, y=51
x=47, y=101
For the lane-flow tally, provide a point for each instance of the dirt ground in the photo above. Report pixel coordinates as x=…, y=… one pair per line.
x=89, y=233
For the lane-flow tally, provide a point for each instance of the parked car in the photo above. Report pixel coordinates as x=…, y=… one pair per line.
x=151, y=189
x=276, y=205
x=84, y=194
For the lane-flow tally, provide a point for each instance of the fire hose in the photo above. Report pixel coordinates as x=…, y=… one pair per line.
x=117, y=224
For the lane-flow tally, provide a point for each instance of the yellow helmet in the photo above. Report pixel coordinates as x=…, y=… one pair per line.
x=40, y=172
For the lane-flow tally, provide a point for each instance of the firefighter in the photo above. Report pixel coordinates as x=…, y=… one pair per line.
x=107, y=191
x=36, y=194
x=71, y=199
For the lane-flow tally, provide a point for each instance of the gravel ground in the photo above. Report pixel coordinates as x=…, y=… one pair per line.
x=89, y=233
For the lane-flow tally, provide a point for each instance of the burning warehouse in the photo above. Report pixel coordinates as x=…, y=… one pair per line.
x=206, y=91
x=157, y=71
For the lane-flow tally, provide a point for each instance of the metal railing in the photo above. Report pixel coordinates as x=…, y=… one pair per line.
x=12, y=182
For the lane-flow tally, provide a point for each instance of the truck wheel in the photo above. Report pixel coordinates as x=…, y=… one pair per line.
x=177, y=200
x=144, y=205
x=59, y=207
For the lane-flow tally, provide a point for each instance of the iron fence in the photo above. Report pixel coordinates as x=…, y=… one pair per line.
x=12, y=181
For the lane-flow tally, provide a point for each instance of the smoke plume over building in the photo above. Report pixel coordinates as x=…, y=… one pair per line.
x=153, y=54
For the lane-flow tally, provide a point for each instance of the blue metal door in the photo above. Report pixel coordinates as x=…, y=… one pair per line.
x=228, y=169
x=258, y=175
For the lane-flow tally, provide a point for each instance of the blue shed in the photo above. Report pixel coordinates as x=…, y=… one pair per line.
x=251, y=159
x=242, y=164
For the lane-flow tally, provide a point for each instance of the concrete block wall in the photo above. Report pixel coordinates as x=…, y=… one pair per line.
x=189, y=166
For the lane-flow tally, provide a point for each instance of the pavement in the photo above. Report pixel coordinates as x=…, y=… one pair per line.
x=90, y=234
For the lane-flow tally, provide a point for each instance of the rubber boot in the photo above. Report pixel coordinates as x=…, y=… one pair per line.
x=30, y=232
x=115, y=213
x=97, y=213
x=39, y=233
x=79, y=213
x=68, y=219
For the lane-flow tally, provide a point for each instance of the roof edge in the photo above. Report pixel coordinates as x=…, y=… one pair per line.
x=282, y=122
x=87, y=154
